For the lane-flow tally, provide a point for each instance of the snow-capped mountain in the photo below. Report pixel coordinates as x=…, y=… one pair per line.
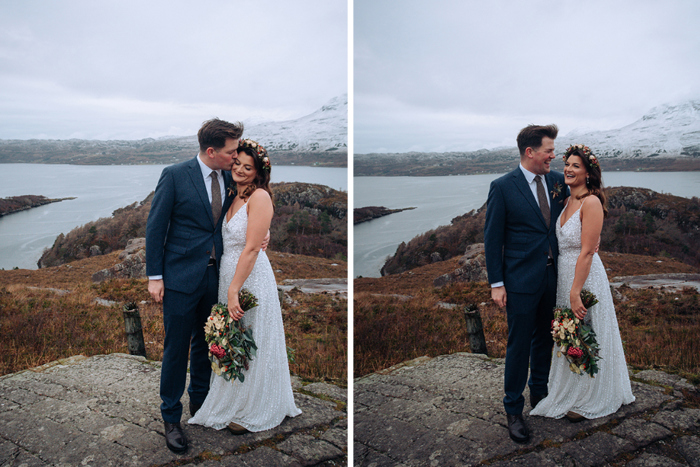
x=324, y=130
x=665, y=131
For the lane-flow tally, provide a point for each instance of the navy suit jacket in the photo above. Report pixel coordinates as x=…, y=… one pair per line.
x=516, y=236
x=181, y=230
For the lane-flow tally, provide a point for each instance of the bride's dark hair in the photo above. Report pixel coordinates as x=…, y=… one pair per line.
x=594, y=177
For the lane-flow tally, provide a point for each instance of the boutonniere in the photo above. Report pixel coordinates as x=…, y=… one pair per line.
x=557, y=190
x=231, y=189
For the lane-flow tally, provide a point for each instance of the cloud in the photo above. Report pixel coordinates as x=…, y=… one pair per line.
x=474, y=73
x=143, y=68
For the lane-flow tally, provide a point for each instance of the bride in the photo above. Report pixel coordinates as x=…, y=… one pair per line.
x=265, y=398
x=578, y=228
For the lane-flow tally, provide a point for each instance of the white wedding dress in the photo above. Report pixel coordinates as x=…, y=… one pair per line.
x=567, y=391
x=265, y=397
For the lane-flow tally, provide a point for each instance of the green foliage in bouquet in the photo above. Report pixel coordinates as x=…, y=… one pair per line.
x=576, y=340
x=231, y=346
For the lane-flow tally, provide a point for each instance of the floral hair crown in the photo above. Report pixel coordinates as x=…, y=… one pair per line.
x=260, y=152
x=592, y=159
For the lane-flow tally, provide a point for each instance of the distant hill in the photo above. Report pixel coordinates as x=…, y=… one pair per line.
x=640, y=221
x=667, y=138
x=309, y=220
x=318, y=139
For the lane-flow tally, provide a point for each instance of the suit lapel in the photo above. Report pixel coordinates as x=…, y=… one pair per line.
x=229, y=197
x=555, y=203
x=524, y=188
x=198, y=182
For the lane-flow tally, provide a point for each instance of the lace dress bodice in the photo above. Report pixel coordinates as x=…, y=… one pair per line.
x=604, y=394
x=569, y=241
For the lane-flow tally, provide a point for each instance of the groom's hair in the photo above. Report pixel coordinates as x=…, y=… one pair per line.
x=531, y=136
x=214, y=132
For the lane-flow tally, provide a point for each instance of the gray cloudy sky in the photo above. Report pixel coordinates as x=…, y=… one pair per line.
x=466, y=74
x=131, y=69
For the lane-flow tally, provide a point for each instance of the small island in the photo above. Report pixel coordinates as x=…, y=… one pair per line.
x=24, y=202
x=373, y=212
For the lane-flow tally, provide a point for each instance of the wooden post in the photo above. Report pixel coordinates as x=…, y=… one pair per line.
x=475, y=329
x=134, y=333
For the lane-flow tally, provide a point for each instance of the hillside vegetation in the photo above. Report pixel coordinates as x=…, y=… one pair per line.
x=309, y=220
x=53, y=313
x=659, y=327
x=640, y=221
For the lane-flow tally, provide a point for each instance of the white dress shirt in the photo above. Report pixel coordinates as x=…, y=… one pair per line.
x=530, y=177
x=206, y=173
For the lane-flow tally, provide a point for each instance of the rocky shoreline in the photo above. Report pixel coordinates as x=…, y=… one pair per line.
x=368, y=213
x=15, y=204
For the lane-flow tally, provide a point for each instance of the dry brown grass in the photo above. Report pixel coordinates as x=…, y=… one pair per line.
x=315, y=327
x=396, y=318
x=390, y=329
x=39, y=326
x=61, y=318
x=660, y=330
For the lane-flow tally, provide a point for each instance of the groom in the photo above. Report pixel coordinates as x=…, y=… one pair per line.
x=521, y=254
x=183, y=249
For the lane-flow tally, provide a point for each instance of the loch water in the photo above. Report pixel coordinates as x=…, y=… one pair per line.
x=98, y=191
x=440, y=199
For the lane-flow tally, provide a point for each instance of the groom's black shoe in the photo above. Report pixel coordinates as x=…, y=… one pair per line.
x=517, y=429
x=194, y=408
x=534, y=399
x=175, y=438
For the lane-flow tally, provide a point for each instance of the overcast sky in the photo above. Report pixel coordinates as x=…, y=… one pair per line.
x=131, y=69
x=463, y=75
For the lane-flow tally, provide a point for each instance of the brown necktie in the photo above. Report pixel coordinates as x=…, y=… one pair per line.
x=544, y=207
x=215, y=197
x=542, y=198
x=215, y=204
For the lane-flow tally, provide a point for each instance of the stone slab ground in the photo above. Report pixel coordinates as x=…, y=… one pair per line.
x=104, y=411
x=448, y=411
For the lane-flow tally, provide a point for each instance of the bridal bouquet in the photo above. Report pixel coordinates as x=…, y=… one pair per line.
x=231, y=346
x=576, y=340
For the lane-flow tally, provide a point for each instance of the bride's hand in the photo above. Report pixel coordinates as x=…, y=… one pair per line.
x=234, y=307
x=577, y=306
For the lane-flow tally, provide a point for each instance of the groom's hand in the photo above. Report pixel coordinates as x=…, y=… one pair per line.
x=498, y=294
x=266, y=241
x=156, y=289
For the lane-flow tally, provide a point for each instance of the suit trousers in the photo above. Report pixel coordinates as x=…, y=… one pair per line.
x=529, y=341
x=184, y=317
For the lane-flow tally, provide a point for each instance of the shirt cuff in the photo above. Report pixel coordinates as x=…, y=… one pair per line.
x=155, y=278
x=493, y=286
